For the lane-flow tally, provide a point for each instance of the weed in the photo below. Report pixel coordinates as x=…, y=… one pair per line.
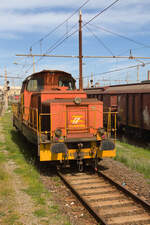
x=41, y=201
x=134, y=157
x=2, y=214
x=3, y=175
x=40, y=213
x=2, y=157
x=6, y=192
x=56, y=179
x=1, y=143
x=20, y=151
x=67, y=223
x=20, y=171
x=11, y=219
x=53, y=209
x=35, y=192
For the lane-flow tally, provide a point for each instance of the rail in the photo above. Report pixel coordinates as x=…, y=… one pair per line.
x=106, y=200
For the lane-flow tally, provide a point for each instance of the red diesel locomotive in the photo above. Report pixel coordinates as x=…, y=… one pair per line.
x=64, y=124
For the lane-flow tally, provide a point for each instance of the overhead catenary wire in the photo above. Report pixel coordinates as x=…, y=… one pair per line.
x=117, y=70
x=127, y=50
x=100, y=41
x=12, y=77
x=120, y=35
x=53, y=30
x=69, y=35
x=65, y=36
x=85, y=24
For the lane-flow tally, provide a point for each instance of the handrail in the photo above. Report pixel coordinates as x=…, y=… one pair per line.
x=33, y=118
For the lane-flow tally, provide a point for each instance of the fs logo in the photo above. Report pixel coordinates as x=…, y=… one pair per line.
x=76, y=120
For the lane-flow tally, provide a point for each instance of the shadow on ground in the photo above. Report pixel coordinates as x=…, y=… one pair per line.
x=30, y=153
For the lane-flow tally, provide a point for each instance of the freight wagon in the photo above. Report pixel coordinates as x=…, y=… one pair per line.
x=131, y=101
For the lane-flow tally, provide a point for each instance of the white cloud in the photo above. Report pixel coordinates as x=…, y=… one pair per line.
x=8, y=36
x=93, y=4
x=21, y=17
x=29, y=22
x=121, y=16
x=35, y=4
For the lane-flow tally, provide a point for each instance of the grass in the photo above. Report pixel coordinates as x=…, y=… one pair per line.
x=136, y=158
x=11, y=219
x=56, y=179
x=36, y=192
x=3, y=175
x=20, y=151
x=53, y=209
x=7, y=209
x=67, y=223
x=40, y=213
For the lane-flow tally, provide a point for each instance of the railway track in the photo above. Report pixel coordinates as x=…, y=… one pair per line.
x=106, y=200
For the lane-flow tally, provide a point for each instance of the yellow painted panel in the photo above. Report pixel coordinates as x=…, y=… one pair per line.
x=46, y=155
x=107, y=153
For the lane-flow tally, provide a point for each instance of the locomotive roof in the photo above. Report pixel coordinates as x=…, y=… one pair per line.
x=50, y=71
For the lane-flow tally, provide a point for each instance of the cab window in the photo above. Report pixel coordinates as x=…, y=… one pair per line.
x=35, y=84
x=66, y=83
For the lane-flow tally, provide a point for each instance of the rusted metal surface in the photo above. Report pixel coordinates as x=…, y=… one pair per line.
x=108, y=202
x=49, y=102
x=135, y=88
x=130, y=100
x=94, y=91
x=134, y=110
x=124, y=88
x=48, y=71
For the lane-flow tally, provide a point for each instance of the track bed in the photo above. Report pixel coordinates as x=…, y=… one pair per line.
x=107, y=201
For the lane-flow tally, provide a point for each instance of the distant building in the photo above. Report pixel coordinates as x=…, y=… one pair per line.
x=14, y=90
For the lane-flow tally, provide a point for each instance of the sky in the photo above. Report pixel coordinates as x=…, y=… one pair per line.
x=121, y=30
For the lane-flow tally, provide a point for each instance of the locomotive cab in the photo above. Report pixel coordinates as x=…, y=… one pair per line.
x=60, y=120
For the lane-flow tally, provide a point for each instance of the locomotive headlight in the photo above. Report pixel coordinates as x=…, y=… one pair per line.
x=77, y=101
x=58, y=132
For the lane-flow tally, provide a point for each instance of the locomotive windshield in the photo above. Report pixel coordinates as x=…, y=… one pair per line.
x=35, y=84
x=66, y=83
